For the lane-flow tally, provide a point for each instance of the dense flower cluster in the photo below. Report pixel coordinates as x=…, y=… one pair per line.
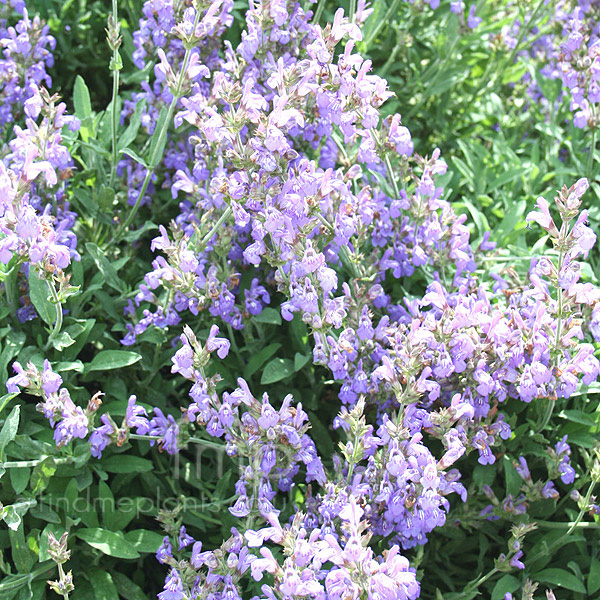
x=68, y=420
x=294, y=188
x=316, y=564
x=273, y=442
x=568, y=49
x=310, y=190
x=35, y=218
x=26, y=54
x=457, y=7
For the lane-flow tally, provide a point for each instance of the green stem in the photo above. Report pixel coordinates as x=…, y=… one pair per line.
x=11, y=290
x=61, y=574
x=349, y=263
x=550, y=403
x=352, y=12
x=19, y=581
x=503, y=258
x=388, y=165
x=59, y=315
x=193, y=440
x=234, y=345
x=158, y=147
x=226, y=214
x=20, y=464
x=470, y=587
x=385, y=21
x=388, y=63
x=115, y=95
x=572, y=526
x=492, y=81
x=590, y=160
x=319, y=11
x=568, y=525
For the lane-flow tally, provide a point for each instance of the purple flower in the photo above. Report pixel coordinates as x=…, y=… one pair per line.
x=74, y=423
x=241, y=508
x=549, y=491
x=173, y=589
x=51, y=381
x=183, y=360
x=167, y=429
x=165, y=551
x=523, y=469
x=136, y=416
x=515, y=562
x=268, y=415
x=101, y=436
x=221, y=345
x=184, y=538
x=14, y=383
x=339, y=585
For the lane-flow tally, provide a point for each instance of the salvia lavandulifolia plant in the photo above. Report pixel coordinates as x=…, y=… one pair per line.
x=567, y=39
x=254, y=351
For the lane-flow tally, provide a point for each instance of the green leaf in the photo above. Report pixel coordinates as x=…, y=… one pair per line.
x=593, y=582
x=105, y=267
x=39, y=293
x=83, y=107
x=108, y=542
x=107, y=504
x=81, y=335
x=321, y=435
x=135, y=120
x=138, y=159
x=21, y=554
x=105, y=197
x=107, y=360
x=45, y=513
x=269, y=315
x=75, y=365
x=19, y=478
x=121, y=463
x=136, y=234
x=81, y=99
x=127, y=588
x=157, y=144
x=299, y=334
x=561, y=578
x=300, y=360
x=62, y=341
x=41, y=475
x=11, y=346
x=276, y=370
x=12, y=514
x=513, y=479
x=4, y=400
x=483, y=475
x=9, y=429
x=144, y=541
x=104, y=587
x=259, y=359
x=578, y=416
x=506, y=584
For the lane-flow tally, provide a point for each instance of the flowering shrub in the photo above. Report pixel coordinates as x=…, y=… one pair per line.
x=381, y=401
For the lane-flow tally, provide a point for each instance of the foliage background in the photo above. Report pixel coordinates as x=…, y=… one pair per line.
x=502, y=152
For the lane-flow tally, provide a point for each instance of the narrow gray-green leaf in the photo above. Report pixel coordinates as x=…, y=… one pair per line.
x=9, y=429
x=105, y=267
x=107, y=360
x=561, y=578
x=108, y=542
x=276, y=370
x=39, y=292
